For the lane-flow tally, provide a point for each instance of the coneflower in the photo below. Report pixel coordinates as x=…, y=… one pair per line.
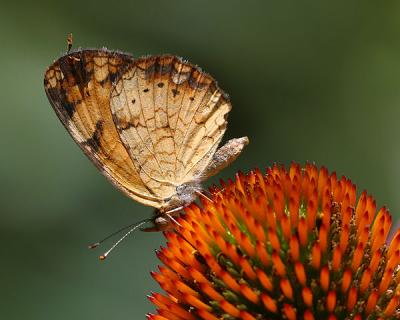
x=290, y=244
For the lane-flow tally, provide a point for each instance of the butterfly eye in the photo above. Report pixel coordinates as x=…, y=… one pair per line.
x=161, y=221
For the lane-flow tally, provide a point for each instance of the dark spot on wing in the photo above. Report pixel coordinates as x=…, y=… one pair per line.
x=75, y=72
x=69, y=108
x=146, y=90
x=175, y=92
x=59, y=100
x=94, y=141
x=149, y=71
x=113, y=76
x=164, y=69
x=160, y=85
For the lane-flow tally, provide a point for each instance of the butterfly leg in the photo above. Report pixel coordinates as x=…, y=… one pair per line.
x=202, y=194
x=171, y=217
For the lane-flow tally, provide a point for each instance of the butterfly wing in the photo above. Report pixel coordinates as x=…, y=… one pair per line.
x=176, y=111
x=78, y=86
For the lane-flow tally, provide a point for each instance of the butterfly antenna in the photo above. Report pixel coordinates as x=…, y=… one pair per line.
x=201, y=194
x=70, y=41
x=135, y=226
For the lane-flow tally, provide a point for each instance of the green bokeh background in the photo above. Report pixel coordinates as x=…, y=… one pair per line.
x=308, y=81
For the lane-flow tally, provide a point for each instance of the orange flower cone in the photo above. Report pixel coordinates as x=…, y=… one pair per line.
x=290, y=244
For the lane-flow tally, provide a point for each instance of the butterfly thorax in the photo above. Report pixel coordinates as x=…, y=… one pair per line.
x=185, y=194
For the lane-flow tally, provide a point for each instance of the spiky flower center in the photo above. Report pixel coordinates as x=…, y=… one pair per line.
x=285, y=245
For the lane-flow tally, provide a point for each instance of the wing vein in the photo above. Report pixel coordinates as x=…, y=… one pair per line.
x=194, y=114
x=137, y=131
x=147, y=128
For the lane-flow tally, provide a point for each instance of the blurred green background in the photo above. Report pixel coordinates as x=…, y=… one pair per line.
x=308, y=81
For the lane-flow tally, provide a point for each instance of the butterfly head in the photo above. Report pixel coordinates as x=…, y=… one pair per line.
x=161, y=222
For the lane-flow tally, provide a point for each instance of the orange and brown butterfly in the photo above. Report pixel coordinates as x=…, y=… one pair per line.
x=151, y=125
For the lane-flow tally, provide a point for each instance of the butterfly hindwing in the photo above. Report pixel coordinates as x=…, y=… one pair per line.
x=175, y=111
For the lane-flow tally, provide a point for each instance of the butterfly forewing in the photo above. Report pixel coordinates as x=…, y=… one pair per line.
x=78, y=86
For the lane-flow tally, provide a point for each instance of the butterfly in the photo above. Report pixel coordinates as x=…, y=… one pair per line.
x=151, y=125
